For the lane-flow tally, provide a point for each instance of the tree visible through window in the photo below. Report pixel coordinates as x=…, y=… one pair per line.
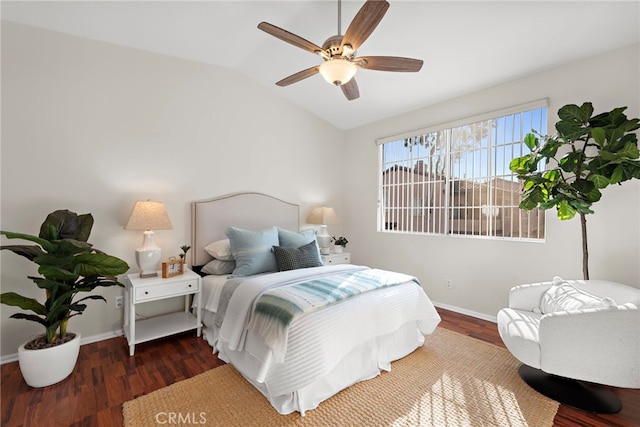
x=455, y=179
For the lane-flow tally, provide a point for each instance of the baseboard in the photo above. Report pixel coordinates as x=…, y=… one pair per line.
x=466, y=312
x=9, y=358
x=85, y=340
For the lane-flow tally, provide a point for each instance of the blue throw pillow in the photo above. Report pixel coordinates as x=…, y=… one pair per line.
x=293, y=239
x=252, y=250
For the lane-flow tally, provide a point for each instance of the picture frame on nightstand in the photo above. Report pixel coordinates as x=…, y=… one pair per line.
x=172, y=267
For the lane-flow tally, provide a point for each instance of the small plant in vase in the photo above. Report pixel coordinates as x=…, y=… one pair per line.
x=183, y=255
x=339, y=243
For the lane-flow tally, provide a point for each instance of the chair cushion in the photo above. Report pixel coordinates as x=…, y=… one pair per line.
x=563, y=296
x=519, y=332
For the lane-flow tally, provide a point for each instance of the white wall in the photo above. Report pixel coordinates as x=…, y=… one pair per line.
x=483, y=271
x=93, y=127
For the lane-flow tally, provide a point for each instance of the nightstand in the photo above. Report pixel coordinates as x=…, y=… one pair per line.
x=343, y=258
x=139, y=290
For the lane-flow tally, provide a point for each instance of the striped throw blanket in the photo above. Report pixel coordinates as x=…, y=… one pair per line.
x=275, y=309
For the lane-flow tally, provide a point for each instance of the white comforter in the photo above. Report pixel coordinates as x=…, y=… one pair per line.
x=242, y=304
x=384, y=324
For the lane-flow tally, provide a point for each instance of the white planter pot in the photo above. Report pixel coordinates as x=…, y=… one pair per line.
x=337, y=249
x=47, y=366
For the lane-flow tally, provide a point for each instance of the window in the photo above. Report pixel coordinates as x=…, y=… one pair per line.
x=455, y=178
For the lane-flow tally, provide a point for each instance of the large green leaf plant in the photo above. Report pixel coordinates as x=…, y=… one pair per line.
x=68, y=265
x=588, y=154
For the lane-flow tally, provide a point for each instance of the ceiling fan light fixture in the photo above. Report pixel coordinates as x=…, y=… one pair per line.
x=339, y=51
x=338, y=71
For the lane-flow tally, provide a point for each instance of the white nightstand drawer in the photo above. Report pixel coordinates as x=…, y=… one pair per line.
x=142, y=290
x=165, y=290
x=343, y=258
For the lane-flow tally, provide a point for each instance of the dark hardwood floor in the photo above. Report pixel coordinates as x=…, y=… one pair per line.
x=105, y=377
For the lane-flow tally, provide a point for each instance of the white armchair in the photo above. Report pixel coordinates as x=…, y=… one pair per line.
x=578, y=330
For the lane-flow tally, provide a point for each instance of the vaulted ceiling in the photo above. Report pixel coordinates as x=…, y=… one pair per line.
x=465, y=45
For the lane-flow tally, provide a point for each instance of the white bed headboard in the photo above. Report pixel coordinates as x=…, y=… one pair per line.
x=252, y=211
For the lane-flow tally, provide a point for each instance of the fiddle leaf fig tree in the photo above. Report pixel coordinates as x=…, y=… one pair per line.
x=67, y=265
x=588, y=154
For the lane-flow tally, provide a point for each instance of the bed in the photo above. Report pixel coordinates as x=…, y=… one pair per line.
x=320, y=348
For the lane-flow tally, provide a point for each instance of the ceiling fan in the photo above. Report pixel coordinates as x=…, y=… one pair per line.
x=339, y=51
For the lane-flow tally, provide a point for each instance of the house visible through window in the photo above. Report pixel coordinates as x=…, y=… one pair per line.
x=455, y=178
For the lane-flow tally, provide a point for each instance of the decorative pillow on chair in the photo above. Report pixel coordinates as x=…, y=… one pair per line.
x=218, y=267
x=220, y=249
x=294, y=258
x=563, y=296
x=251, y=250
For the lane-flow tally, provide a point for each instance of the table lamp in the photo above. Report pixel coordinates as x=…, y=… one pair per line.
x=148, y=216
x=323, y=216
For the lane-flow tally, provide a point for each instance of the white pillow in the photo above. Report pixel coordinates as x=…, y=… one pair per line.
x=563, y=296
x=220, y=249
x=219, y=267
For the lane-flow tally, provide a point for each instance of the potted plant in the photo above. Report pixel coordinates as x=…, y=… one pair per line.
x=183, y=255
x=339, y=243
x=587, y=154
x=67, y=265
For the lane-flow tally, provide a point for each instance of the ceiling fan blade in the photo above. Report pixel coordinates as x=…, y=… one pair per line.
x=288, y=37
x=300, y=75
x=350, y=89
x=389, y=63
x=365, y=21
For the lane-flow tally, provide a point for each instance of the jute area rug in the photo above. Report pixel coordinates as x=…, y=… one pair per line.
x=453, y=380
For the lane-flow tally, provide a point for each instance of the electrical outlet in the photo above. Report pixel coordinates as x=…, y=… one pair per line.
x=119, y=302
x=449, y=283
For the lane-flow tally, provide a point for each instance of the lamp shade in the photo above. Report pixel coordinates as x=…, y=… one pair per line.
x=148, y=215
x=337, y=71
x=322, y=215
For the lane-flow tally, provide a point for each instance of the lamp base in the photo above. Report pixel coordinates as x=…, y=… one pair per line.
x=145, y=275
x=324, y=240
x=148, y=256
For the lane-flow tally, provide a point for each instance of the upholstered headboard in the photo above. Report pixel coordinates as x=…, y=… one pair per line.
x=252, y=211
